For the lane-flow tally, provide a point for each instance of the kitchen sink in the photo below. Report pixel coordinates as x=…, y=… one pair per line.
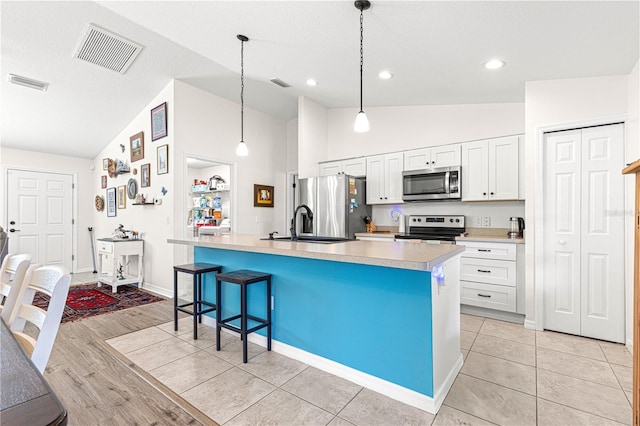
x=306, y=239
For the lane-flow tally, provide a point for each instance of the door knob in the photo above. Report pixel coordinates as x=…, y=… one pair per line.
x=14, y=230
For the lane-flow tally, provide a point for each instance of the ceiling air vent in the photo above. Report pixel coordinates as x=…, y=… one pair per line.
x=28, y=82
x=106, y=49
x=280, y=82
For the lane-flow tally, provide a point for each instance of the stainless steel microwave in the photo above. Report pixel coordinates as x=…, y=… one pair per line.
x=431, y=184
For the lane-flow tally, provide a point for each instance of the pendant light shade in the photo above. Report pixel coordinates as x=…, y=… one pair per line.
x=242, y=150
x=362, y=122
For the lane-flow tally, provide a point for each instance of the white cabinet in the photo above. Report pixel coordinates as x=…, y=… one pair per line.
x=429, y=158
x=492, y=275
x=384, y=178
x=114, y=257
x=352, y=166
x=490, y=169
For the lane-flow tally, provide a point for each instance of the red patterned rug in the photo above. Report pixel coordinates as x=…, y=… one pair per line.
x=88, y=300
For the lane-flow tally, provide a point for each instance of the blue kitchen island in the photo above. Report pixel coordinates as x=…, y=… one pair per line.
x=385, y=315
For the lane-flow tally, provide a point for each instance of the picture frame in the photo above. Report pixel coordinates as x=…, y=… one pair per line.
x=163, y=160
x=122, y=197
x=103, y=181
x=159, y=122
x=105, y=164
x=136, y=143
x=145, y=175
x=111, y=202
x=262, y=196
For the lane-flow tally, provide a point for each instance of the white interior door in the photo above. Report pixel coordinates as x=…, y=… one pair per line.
x=39, y=216
x=583, y=233
x=602, y=233
x=562, y=189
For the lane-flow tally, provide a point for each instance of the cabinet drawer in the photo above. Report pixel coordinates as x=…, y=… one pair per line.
x=498, y=251
x=105, y=247
x=488, y=296
x=501, y=272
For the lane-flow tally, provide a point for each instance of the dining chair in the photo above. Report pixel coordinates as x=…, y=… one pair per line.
x=11, y=291
x=12, y=271
x=50, y=280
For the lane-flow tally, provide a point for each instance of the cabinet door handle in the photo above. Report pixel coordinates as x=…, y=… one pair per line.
x=484, y=193
x=484, y=295
x=484, y=270
x=487, y=250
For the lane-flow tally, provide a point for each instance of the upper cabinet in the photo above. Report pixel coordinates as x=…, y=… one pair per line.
x=490, y=169
x=430, y=158
x=353, y=166
x=384, y=178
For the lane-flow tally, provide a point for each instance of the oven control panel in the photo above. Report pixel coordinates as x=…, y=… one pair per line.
x=427, y=221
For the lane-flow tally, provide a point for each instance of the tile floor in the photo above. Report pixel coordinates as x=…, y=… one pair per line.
x=83, y=278
x=511, y=376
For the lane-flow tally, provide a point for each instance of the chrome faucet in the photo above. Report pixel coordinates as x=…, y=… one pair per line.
x=294, y=235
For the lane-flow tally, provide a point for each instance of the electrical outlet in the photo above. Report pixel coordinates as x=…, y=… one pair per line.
x=257, y=219
x=478, y=221
x=486, y=221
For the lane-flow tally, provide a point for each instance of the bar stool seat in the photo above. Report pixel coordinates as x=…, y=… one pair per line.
x=244, y=278
x=196, y=270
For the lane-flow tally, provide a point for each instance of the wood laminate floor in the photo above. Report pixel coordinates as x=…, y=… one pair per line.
x=95, y=388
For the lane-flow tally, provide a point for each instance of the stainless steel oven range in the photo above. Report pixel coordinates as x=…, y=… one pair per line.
x=433, y=229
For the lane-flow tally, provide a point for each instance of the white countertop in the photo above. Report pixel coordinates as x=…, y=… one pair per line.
x=380, y=234
x=401, y=255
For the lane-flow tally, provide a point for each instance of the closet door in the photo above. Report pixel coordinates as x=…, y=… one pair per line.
x=602, y=233
x=583, y=233
x=562, y=190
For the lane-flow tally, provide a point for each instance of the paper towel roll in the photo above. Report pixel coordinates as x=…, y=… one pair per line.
x=401, y=224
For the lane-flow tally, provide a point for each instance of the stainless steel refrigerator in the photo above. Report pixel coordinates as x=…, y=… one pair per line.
x=338, y=206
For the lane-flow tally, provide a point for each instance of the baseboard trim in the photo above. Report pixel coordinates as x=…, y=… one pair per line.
x=530, y=325
x=157, y=290
x=83, y=270
x=492, y=313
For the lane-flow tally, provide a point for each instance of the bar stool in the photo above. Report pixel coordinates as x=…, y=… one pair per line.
x=196, y=270
x=244, y=278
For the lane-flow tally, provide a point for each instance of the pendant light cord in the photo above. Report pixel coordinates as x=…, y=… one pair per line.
x=361, y=56
x=241, y=90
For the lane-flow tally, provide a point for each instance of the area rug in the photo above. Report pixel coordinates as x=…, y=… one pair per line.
x=88, y=300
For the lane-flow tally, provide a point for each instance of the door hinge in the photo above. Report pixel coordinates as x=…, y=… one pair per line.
x=73, y=221
x=73, y=186
x=73, y=257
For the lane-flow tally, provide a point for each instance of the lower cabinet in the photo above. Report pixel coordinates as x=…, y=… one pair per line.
x=492, y=275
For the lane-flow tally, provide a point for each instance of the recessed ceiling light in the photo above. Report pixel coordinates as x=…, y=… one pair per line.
x=494, y=64
x=385, y=75
x=28, y=82
x=312, y=82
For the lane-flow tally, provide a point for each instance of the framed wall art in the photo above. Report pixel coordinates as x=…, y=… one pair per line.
x=145, y=175
x=163, y=159
x=105, y=163
x=111, y=202
x=159, y=122
x=103, y=181
x=122, y=197
x=262, y=196
x=137, y=146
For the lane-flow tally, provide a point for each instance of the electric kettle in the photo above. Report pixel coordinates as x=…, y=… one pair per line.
x=516, y=227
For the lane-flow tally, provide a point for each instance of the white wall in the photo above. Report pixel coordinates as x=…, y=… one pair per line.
x=556, y=103
x=632, y=153
x=312, y=136
x=152, y=221
x=409, y=127
x=207, y=126
x=30, y=160
x=292, y=145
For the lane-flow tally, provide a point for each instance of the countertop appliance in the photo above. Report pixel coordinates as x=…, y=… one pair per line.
x=441, y=229
x=516, y=227
x=337, y=204
x=431, y=184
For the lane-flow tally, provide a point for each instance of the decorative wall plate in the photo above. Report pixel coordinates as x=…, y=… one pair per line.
x=99, y=203
x=132, y=188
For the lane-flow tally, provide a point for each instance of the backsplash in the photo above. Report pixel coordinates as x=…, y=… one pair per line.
x=498, y=212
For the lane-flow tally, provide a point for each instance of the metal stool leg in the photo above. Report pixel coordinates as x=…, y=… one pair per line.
x=269, y=313
x=175, y=300
x=218, y=311
x=243, y=320
x=195, y=306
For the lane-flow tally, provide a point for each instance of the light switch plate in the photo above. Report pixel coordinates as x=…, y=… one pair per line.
x=486, y=221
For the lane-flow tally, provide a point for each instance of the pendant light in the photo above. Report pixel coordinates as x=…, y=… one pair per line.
x=362, y=122
x=242, y=149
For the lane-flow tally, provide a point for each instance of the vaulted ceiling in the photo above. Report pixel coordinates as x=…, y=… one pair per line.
x=435, y=50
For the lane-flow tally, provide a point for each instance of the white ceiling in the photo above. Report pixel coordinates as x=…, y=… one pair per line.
x=434, y=49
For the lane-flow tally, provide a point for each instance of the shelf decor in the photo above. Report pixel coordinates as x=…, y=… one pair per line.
x=111, y=202
x=163, y=159
x=137, y=146
x=159, y=122
x=262, y=196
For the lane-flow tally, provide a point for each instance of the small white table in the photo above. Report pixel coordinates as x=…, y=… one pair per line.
x=118, y=253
